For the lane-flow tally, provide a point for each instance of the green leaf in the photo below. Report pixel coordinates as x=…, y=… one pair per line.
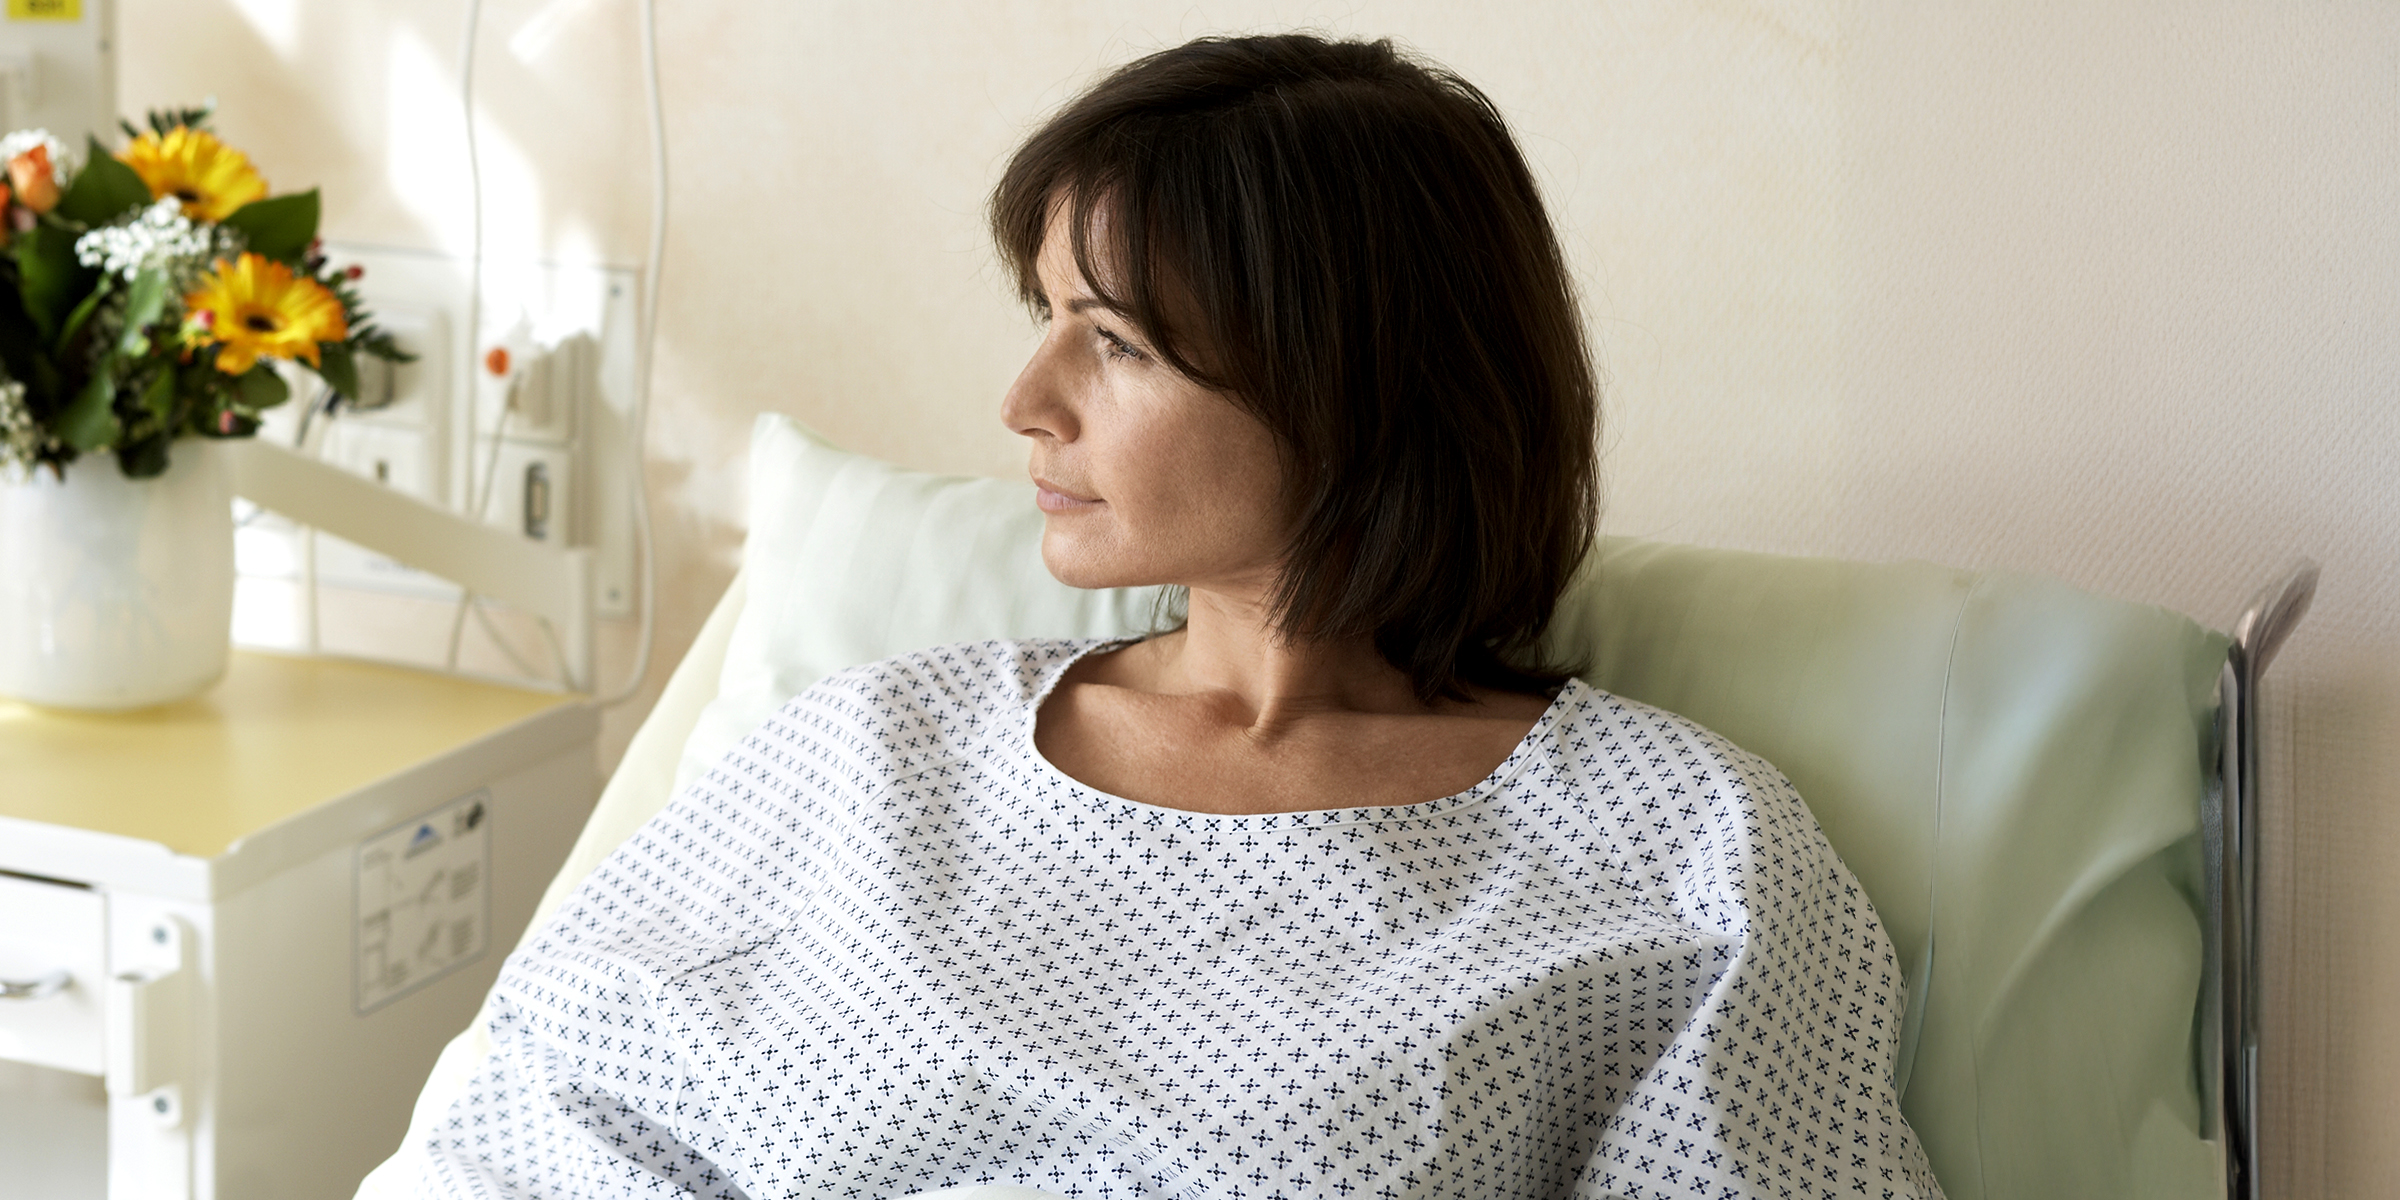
x=338, y=369
x=164, y=120
x=83, y=313
x=145, y=459
x=159, y=395
x=47, y=384
x=144, y=301
x=48, y=277
x=103, y=190
x=90, y=422
x=380, y=344
x=261, y=387
x=279, y=227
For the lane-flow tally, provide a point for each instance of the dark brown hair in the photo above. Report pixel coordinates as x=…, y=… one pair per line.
x=1353, y=249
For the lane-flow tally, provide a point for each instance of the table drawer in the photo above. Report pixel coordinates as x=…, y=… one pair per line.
x=46, y=928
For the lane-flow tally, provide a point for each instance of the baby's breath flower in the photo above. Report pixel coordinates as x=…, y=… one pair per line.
x=160, y=236
x=22, y=439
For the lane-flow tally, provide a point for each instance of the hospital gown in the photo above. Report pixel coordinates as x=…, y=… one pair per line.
x=885, y=947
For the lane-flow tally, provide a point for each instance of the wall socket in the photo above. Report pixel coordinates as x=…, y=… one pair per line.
x=539, y=447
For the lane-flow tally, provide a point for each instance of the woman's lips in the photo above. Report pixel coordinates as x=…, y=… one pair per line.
x=1051, y=498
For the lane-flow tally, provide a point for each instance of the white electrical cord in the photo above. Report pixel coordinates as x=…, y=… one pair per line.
x=646, y=333
x=483, y=617
x=468, y=602
x=638, y=426
x=481, y=506
x=473, y=336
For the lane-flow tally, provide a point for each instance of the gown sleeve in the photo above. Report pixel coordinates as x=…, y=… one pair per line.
x=542, y=1120
x=585, y=1092
x=1780, y=1083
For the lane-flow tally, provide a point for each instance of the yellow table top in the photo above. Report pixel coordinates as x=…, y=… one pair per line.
x=275, y=737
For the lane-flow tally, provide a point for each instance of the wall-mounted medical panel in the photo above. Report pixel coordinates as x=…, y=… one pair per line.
x=524, y=425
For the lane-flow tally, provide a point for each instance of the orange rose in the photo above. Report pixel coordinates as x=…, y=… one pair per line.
x=36, y=180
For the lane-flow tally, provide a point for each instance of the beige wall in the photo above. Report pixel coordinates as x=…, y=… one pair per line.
x=2103, y=291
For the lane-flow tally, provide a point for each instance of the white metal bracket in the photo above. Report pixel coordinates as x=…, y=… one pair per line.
x=551, y=582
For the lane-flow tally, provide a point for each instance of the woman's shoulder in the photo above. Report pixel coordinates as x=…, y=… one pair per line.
x=1601, y=732
x=1676, y=796
x=912, y=711
x=963, y=681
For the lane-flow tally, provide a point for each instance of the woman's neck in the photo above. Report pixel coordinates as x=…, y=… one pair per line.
x=1230, y=651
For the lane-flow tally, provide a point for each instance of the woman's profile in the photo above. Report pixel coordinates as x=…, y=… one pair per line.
x=1339, y=888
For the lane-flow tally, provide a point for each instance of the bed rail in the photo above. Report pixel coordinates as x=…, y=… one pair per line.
x=2230, y=823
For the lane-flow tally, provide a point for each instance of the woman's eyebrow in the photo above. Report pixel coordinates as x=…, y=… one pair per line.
x=1083, y=304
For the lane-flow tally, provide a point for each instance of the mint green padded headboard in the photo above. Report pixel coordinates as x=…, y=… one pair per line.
x=2014, y=770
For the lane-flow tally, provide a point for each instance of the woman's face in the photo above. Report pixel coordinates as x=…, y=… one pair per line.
x=1144, y=476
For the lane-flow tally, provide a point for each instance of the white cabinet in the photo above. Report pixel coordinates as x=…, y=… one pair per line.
x=53, y=947
x=235, y=931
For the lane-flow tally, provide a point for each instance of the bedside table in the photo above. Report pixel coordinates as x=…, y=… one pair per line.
x=235, y=931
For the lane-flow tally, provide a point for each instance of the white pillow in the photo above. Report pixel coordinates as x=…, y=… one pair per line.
x=850, y=560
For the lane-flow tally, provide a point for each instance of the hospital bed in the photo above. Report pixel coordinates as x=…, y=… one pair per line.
x=2051, y=797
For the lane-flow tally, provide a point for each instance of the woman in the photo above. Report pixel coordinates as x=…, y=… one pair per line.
x=1340, y=888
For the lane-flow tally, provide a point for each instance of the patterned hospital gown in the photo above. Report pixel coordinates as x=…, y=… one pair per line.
x=885, y=947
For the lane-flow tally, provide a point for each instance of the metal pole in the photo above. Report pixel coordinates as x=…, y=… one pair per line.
x=2231, y=1068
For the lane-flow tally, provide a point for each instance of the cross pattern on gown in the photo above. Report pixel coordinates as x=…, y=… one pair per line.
x=883, y=947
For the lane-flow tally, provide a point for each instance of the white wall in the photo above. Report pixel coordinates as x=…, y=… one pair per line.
x=2103, y=291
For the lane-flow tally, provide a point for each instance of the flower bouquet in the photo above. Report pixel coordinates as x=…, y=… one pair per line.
x=144, y=296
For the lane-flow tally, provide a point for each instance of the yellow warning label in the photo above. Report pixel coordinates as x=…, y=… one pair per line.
x=45, y=10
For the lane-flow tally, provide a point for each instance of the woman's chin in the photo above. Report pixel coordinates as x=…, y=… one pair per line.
x=1076, y=574
x=1076, y=563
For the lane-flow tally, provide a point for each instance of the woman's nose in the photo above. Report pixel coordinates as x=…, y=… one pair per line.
x=1037, y=404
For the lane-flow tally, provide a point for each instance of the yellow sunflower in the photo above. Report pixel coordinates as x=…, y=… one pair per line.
x=252, y=307
x=211, y=178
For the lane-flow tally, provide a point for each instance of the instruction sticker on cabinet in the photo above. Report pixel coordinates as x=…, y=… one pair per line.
x=424, y=899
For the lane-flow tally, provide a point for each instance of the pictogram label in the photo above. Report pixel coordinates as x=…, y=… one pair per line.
x=423, y=899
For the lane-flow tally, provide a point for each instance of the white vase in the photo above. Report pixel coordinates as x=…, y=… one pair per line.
x=114, y=592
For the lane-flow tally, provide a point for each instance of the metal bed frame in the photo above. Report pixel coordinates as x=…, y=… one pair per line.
x=2229, y=1083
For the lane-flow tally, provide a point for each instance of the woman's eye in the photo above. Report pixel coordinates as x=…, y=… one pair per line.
x=1116, y=347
